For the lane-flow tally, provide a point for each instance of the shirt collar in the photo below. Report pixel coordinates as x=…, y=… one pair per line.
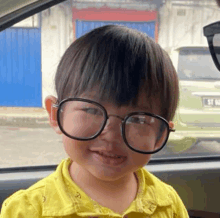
x=151, y=193
x=63, y=197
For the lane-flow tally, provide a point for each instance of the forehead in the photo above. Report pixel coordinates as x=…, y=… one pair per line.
x=148, y=103
x=144, y=103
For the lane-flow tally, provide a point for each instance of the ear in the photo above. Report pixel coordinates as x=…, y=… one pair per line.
x=171, y=124
x=52, y=112
x=163, y=136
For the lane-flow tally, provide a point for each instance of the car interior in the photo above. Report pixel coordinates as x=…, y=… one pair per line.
x=194, y=174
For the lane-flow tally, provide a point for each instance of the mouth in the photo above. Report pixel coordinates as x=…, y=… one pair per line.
x=109, y=158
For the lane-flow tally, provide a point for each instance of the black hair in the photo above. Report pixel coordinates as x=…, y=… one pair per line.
x=118, y=63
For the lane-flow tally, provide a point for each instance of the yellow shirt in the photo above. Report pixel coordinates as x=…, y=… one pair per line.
x=58, y=196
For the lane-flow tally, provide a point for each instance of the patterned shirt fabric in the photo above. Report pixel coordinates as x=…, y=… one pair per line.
x=58, y=196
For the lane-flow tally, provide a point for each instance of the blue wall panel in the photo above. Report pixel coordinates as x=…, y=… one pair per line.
x=20, y=68
x=83, y=27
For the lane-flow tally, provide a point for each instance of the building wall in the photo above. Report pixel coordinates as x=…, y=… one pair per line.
x=145, y=21
x=20, y=67
x=57, y=35
x=182, y=24
x=179, y=25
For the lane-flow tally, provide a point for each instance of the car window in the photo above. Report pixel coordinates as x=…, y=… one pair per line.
x=31, y=50
x=196, y=64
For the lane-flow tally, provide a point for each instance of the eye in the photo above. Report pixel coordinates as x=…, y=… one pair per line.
x=141, y=120
x=93, y=111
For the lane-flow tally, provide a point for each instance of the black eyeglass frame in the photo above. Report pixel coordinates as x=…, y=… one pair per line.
x=106, y=117
x=209, y=32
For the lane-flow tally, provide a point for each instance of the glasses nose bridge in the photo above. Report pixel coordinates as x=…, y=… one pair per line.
x=116, y=116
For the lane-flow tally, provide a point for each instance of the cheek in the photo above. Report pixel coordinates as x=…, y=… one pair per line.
x=140, y=160
x=75, y=149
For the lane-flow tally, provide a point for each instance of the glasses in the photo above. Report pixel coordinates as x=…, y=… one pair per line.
x=83, y=119
x=212, y=33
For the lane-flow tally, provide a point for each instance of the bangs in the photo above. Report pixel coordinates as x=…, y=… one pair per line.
x=114, y=71
x=116, y=65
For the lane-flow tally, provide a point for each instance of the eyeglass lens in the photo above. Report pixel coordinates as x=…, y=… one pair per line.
x=83, y=120
x=143, y=132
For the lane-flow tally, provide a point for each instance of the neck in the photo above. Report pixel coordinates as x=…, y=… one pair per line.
x=87, y=181
x=120, y=193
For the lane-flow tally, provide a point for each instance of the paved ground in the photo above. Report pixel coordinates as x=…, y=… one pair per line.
x=22, y=146
x=23, y=117
x=29, y=146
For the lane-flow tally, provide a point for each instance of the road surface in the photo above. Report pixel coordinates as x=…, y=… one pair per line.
x=42, y=146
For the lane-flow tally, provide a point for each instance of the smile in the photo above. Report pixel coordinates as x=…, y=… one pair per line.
x=109, y=155
x=109, y=159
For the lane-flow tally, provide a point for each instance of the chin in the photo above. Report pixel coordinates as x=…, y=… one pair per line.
x=108, y=176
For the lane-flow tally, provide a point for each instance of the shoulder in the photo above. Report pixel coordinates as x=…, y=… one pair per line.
x=25, y=203
x=163, y=194
x=157, y=184
x=47, y=196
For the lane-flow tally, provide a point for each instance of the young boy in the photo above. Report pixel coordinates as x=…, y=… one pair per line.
x=117, y=92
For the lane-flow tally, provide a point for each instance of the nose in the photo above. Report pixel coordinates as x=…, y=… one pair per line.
x=112, y=130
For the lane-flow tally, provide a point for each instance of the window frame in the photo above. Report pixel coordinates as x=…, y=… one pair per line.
x=25, y=12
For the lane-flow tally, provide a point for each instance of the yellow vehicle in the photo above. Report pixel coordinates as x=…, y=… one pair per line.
x=197, y=118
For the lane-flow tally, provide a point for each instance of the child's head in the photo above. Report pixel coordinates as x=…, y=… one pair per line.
x=131, y=76
x=118, y=63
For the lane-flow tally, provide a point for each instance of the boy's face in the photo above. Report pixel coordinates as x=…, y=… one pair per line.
x=87, y=154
